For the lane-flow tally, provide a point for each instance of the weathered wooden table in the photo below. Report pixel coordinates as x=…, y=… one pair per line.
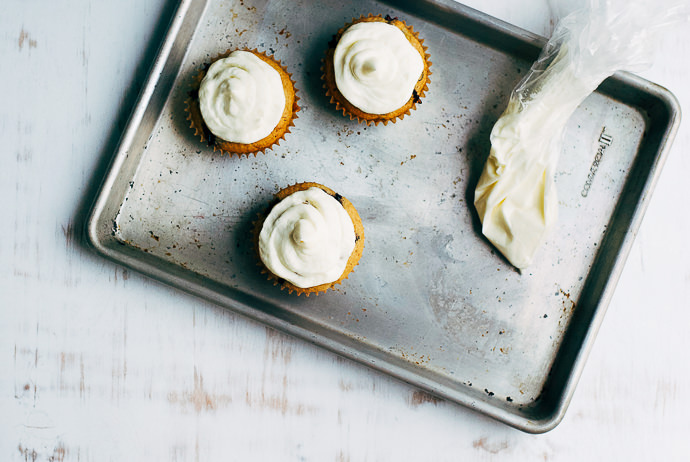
x=100, y=363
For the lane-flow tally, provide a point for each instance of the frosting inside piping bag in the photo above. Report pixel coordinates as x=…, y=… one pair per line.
x=516, y=196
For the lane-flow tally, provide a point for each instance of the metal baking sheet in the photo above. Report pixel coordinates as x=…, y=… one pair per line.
x=431, y=301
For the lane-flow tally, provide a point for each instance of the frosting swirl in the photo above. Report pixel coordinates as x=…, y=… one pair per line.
x=241, y=98
x=307, y=238
x=376, y=68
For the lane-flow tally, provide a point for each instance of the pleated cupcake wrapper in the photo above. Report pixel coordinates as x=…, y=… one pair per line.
x=352, y=261
x=196, y=120
x=341, y=102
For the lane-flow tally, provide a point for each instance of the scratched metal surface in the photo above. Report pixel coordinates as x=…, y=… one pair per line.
x=431, y=302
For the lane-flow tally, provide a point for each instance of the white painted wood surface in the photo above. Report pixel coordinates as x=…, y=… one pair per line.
x=100, y=363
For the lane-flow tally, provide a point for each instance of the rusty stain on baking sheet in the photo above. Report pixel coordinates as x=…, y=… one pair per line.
x=284, y=32
x=413, y=156
x=568, y=303
x=411, y=356
x=249, y=8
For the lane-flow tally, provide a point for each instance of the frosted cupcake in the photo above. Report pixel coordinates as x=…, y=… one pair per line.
x=376, y=69
x=311, y=239
x=243, y=103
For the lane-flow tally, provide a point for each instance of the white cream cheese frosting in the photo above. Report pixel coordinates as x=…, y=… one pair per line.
x=516, y=196
x=307, y=238
x=241, y=98
x=376, y=68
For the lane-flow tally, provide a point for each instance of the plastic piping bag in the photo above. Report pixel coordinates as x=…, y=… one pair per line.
x=516, y=195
